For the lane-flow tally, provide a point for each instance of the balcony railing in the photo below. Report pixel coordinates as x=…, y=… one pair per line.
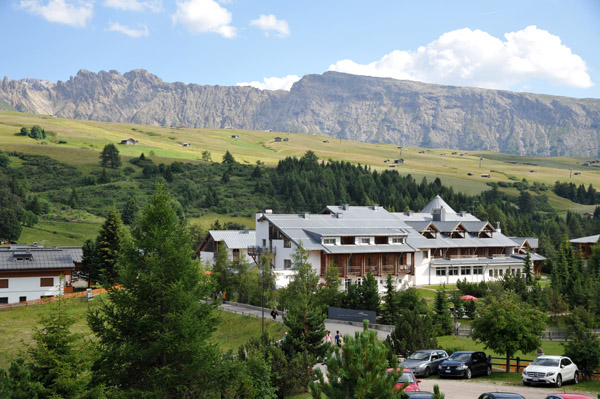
x=387, y=269
x=354, y=269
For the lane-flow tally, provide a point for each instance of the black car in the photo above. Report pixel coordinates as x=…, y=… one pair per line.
x=500, y=395
x=465, y=364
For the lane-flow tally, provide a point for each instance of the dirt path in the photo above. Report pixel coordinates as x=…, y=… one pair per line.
x=471, y=389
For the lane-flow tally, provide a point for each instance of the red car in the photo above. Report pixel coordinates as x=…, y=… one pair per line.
x=567, y=396
x=407, y=377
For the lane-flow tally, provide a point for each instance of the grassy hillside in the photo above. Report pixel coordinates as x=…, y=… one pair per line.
x=79, y=143
x=17, y=325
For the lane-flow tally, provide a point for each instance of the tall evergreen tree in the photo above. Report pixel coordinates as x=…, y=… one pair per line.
x=58, y=359
x=413, y=331
x=228, y=158
x=369, y=293
x=442, y=318
x=89, y=262
x=129, y=211
x=109, y=157
x=304, y=318
x=108, y=247
x=153, y=334
x=391, y=307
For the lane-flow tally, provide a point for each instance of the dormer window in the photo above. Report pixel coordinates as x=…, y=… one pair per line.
x=23, y=257
x=397, y=240
x=328, y=241
x=364, y=240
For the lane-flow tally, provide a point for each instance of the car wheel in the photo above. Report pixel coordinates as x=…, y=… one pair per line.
x=468, y=374
x=427, y=372
x=576, y=377
x=558, y=381
x=488, y=371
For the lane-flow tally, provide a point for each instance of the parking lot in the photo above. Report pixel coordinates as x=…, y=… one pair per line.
x=471, y=389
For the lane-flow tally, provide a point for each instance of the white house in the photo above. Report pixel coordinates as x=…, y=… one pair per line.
x=434, y=246
x=236, y=242
x=32, y=272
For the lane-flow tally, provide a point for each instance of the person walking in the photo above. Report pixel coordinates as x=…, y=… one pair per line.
x=274, y=313
x=329, y=338
x=338, y=338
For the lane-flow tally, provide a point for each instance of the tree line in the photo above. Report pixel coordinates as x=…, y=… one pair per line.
x=578, y=194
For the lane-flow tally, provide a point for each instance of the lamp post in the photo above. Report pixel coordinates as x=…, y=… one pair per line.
x=255, y=252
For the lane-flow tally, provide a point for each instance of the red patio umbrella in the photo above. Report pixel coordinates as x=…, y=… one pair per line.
x=468, y=298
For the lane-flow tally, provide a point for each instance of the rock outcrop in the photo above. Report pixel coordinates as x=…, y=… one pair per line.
x=340, y=105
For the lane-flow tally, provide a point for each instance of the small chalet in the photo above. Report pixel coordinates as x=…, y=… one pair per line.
x=186, y=144
x=585, y=245
x=235, y=241
x=399, y=161
x=277, y=139
x=32, y=271
x=235, y=136
x=129, y=141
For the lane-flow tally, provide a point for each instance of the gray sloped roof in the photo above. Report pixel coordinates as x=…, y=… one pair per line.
x=235, y=239
x=447, y=227
x=532, y=255
x=355, y=231
x=40, y=259
x=437, y=203
x=586, y=240
x=533, y=242
x=476, y=226
x=418, y=225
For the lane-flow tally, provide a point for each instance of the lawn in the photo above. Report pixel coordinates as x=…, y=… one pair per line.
x=17, y=325
x=459, y=343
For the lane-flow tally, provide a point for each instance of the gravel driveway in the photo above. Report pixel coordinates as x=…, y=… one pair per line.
x=471, y=389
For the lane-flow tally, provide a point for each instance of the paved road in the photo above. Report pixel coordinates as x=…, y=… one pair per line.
x=330, y=325
x=471, y=389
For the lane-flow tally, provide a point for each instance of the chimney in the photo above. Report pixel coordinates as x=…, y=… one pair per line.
x=439, y=215
x=339, y=215
x=409, y=213
x=498, y=229
x=345, y=207
x=306, y=215
x=268, y=211
x=246, y=231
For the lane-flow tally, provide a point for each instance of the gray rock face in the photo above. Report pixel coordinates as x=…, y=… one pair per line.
x=352, y=107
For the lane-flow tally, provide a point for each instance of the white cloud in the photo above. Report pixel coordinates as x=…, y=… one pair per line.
x=202, y=16
x=268, y=23
x=476, y=58
x=284, y=83
x=75, y=13
x=117, y=27
x=135, y=5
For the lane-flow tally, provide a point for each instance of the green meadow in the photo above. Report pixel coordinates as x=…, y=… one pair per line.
x=79, y=144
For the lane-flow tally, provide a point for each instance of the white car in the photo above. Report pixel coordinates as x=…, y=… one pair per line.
x=551, y=370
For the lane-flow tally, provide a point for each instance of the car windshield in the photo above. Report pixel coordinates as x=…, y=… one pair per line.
x=419, y=356
x=460, y=357
x=406, y=377
x=545, y=362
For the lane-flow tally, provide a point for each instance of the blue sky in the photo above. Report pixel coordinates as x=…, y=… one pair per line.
x=541, y=46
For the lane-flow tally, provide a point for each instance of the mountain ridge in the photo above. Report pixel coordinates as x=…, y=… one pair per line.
x=360, y=108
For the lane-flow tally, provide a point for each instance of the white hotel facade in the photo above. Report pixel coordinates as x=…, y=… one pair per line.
x=434, y=246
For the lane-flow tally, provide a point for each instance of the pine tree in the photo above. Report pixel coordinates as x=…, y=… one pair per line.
x=442, y=318
x=304, y=318
x=358, y=371
x=108, y=247
x=129, y=211
x=74, y=199
x=153, y=334
x=89, y=263
x=58, y=359
x=228, y=158
x=527, y=270
x=413, y=331
x=18, y=383
x=109, y=157
x=390, y=307
x=369, y=293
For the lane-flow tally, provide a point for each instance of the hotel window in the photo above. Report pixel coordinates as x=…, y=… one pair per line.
x=4, y=300
x=477, y=269
x=465, y=270
x=453, y=271
x=4, y=283
x=425, y=254
x=501, y=272
x=364, y=240
x=287, y=243
x=287, y=264
x=440, y=271
x=347, y=283
x=397, y=240
x=22, y=299
x=46, y=281
x=329, y=241
x=491, y=273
